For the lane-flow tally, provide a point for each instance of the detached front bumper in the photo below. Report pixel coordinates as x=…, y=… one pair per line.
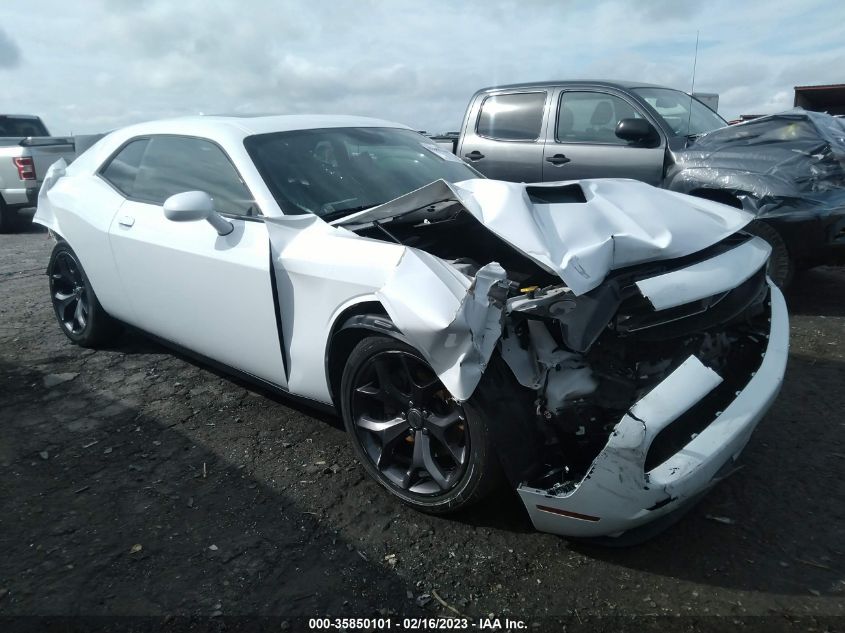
x=617, y=494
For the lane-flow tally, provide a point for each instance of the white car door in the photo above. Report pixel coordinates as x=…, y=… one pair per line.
x=211, y=294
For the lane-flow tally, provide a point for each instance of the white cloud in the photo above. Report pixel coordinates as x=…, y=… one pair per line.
x=94, y=66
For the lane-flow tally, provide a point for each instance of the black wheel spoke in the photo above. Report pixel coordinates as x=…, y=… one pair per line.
x=422, y=380
x=387, y=396
x=81, y=314
x=63, y=299
x=386, y=430
x=408, y=477
x=424, y=391
x=77, y=314
x=369, y=390
x=456, y=451
x=390, y=392
x=388, y=433
x=443, y=422
x=429, y=462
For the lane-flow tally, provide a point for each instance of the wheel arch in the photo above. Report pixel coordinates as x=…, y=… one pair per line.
x=352, y=325
x=771, y=232
x=730, y=198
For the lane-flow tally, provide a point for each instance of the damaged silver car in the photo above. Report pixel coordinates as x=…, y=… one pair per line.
x=604, y=347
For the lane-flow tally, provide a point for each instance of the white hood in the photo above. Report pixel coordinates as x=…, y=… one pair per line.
x=620, y=222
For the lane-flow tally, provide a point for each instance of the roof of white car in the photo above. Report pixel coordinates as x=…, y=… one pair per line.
x=247, y=125
x=229, y=131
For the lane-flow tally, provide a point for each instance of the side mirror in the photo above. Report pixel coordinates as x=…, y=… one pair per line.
x=637, y=131
x=191, y=206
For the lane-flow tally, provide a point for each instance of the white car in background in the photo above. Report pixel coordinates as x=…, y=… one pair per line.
x=603, y=346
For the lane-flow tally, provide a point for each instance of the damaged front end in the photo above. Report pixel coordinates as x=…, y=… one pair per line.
x=665, y=397
x=645, y=330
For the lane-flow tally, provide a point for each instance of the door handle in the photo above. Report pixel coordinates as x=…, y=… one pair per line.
x=126, y=220
x=474, y=155
x=558, y=159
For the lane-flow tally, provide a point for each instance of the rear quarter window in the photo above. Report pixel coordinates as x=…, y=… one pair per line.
x=122, y=170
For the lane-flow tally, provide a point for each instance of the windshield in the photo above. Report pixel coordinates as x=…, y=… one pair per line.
x=674, y=106
x=21, y=126
x=335, y=171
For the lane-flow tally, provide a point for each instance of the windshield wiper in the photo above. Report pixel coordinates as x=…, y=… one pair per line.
x=690, y=138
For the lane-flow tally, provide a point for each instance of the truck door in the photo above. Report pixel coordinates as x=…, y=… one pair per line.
x=582, y=142
x=503, y=135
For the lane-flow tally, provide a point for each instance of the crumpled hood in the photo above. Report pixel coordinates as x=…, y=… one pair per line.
x=616, y=223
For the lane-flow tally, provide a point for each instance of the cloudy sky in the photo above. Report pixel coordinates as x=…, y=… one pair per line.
x=92, y=65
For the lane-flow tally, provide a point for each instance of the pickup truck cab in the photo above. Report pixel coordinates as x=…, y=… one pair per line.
x=26, y=152
x=567, y=130
x=783, y=168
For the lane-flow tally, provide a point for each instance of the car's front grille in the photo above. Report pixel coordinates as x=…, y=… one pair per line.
x=636, y=316
x=748, y=344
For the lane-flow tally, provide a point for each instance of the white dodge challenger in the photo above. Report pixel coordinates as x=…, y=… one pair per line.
x=604, y=347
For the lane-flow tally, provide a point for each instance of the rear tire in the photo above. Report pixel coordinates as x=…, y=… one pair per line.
x=781, y=265
x=77, y=309
x=433, y=453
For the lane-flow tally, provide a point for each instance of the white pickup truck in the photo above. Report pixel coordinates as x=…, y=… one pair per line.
x=26, y=151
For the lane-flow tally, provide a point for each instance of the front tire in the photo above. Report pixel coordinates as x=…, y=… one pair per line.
x=781, y=265
x=75, y=304
x=430, y=451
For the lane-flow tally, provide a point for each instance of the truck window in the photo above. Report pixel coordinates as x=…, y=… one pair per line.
x=21, y=126
x=591, y=117
x=512, y=117
x=683, y=114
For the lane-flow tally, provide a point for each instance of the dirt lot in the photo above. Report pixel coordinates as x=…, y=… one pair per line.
x=136, y=482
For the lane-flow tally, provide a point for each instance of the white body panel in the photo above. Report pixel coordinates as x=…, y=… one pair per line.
x=621, y=223
x=81, y=210
x=206, y=292
x=707, y=278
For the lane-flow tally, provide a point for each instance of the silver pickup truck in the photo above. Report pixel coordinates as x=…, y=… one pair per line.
x=26, y=152
x=785, y=168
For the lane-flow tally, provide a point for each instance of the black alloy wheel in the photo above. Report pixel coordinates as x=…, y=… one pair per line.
x=410, y=428
x=71, y=296
x=80, y=315
x=434, y=453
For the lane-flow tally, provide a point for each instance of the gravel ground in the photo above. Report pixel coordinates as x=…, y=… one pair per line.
x=135, y=482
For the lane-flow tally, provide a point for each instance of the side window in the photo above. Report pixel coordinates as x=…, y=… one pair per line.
x=174, y=164
x=591, y=117
x=123, y=168
x=512, y=117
